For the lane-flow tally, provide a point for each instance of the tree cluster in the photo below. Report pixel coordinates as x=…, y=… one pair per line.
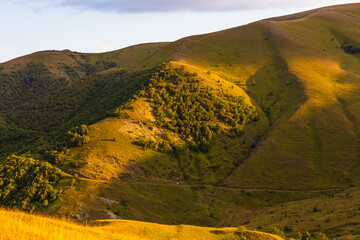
x=350, y=49
x=118, y=112
x=304, y=235
x=27, y=183
x=161, y=146
x=98, y=66
x=184, y=106
x=35, y=104
x=78, y=136
x=54, y=156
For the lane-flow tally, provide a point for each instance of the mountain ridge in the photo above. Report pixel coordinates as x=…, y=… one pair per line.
x=300, y=72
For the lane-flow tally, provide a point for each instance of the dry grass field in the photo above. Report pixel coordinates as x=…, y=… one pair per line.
x=21, y=226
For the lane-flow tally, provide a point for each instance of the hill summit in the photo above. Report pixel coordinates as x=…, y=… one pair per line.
x=257, y=125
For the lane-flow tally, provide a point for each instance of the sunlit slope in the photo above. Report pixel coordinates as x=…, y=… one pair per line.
x=294, y=69
x=21, y=226
x=304, y=86
x=248, y=58
x=318, y=147
x=112, y=155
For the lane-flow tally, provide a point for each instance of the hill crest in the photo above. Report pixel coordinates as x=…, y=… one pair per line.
x=300, y=72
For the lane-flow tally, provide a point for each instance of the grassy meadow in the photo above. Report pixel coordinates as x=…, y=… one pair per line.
x=22, y=226
x=295, y=168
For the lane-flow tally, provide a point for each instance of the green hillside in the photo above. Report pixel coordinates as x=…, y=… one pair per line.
x=257, y=125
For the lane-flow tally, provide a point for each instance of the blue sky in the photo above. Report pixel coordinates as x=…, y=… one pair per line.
x=103, y=25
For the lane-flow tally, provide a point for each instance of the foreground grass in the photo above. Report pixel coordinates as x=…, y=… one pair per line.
x=18, y=225
x=22, y=226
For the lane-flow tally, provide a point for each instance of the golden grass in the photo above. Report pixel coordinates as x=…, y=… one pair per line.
x=21, y=226
x=234, y=54
x=308, y=143
x=107, y=158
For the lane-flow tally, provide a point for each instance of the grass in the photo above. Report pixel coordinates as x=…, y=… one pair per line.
x=313, y=147
x=111, y=155
x=306, y=91
x=217, y=52
x=51, y=59
x=335, y=213
x=22, y=226
x=203, y=205
x=308, y=103
x=133, y=57
x=18, y=225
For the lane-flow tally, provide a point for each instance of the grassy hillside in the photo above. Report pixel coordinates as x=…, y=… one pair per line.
x=21, y=226
x=35, y=103
x=127, y=58
x=152, y=154
x=318, y=146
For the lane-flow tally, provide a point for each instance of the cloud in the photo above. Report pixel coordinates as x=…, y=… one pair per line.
x=130, y=6
x=137, y=6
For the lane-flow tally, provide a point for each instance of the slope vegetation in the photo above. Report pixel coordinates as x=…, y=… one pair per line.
x=298, y=74
x=317, y=147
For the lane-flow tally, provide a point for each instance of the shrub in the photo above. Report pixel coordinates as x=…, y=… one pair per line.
x=78, y=136
x=319, y=236
x=241, y=228
x=73, y=182
x=218, y=232
x=53, y=156
x=278, y=232
x=350, y=49
x=306, y=235
x=120, y=113
x=161, y=146
x=287, y=228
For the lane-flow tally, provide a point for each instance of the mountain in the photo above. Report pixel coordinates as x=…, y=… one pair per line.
x=257, y=125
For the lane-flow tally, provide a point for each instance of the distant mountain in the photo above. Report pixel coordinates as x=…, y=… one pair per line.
x=257, y=125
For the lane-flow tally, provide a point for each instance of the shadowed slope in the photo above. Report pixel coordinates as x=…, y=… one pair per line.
x=318, y=146
x=296, y=70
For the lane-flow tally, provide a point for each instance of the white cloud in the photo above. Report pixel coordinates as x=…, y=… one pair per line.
x=135, y=6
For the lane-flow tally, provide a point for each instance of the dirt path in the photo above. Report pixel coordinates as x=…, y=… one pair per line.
x=210, y=186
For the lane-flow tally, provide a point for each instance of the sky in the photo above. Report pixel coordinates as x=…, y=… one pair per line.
x=28, y=26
